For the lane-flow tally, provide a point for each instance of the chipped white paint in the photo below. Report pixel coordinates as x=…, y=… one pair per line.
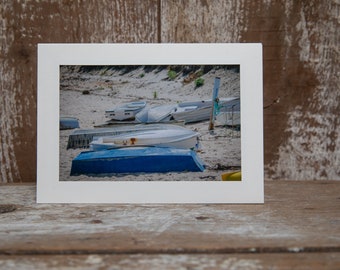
x=283, y=219
x=94, y=260
x=7, y=159
x=306, y=154
x=317, y=42
x=312, y=150
x=23, y=24
x=304, y=42
x=184, y=262
x=8, y=122
x=204, y=21
x=101, y=236
x=130, y=262
x=146, y=220
x=12, y=111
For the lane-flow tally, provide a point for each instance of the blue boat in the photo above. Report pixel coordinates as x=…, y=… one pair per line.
x=136, y=160
x=66, y=122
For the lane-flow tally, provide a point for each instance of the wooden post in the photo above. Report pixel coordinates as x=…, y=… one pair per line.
x=214, y=103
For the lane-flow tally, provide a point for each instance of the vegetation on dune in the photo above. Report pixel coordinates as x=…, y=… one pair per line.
x=184, y=70
x=172, y=74
x=199, y=82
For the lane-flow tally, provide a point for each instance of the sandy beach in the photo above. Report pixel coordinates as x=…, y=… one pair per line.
x=85, y=93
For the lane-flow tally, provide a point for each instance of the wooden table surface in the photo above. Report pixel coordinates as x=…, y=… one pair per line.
x=298, y=227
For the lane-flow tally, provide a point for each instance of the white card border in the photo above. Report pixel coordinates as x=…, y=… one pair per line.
x=247, y=55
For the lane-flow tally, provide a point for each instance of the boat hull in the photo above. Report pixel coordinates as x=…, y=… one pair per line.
x=157, y=114
x=68, y=123
x=197, y=115
x=126, y=112
x=191, y=112
x=136, y=160
x=81, y=138
x=177, y=138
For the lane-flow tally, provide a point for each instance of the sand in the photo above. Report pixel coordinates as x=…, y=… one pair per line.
x=87, y=94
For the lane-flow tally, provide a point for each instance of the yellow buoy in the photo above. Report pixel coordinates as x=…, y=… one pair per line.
x=231, y=176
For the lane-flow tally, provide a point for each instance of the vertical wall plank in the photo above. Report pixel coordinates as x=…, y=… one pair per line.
x=301, y=73
x=25, y=23
x=301, y=67
x=309, y=144
x=200, y=21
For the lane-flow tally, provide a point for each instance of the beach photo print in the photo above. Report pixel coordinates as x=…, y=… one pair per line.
x=150, y=123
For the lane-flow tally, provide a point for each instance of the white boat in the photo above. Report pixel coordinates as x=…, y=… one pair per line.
x=187, y=112
x=126, y=111
x=192, y=111
x=197, y=111
x=156, y=114
x=177, y=138
x=81, y=138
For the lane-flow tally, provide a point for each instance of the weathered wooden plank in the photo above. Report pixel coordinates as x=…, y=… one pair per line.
x=301, y=37
x=297, y=216
x=307, y=261
x=23, y=24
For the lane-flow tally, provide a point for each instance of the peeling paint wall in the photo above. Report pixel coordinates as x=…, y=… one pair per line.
x=301, y=67
x=311, y=146
x=24, y=24
x=301, y=73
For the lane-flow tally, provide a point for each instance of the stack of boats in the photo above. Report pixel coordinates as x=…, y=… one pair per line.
x=159, y=148
x=187, y=112
x=153, y=145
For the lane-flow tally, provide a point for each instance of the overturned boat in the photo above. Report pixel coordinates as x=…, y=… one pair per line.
x=191, y=112
x=177, y=137
x=187, y=112
x=197, y=111
x=136, y=160
x=156, y=114
x=67, y=122
x=81, y=138
x=126, y=111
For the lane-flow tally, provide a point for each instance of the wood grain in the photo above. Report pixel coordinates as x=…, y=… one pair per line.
x=298, y=227
x=296, y=217
x=304, y=261
x=23, y=25
x=301, y=82
x=301, y=63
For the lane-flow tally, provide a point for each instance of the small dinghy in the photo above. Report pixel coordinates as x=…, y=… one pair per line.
x=191, y=112
x=187, y=112
x=66, y=122
x=177, y=138
x=136, y=160
x=197, y=111
x=81, y=138
x=125, y=112
x=156, y=114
